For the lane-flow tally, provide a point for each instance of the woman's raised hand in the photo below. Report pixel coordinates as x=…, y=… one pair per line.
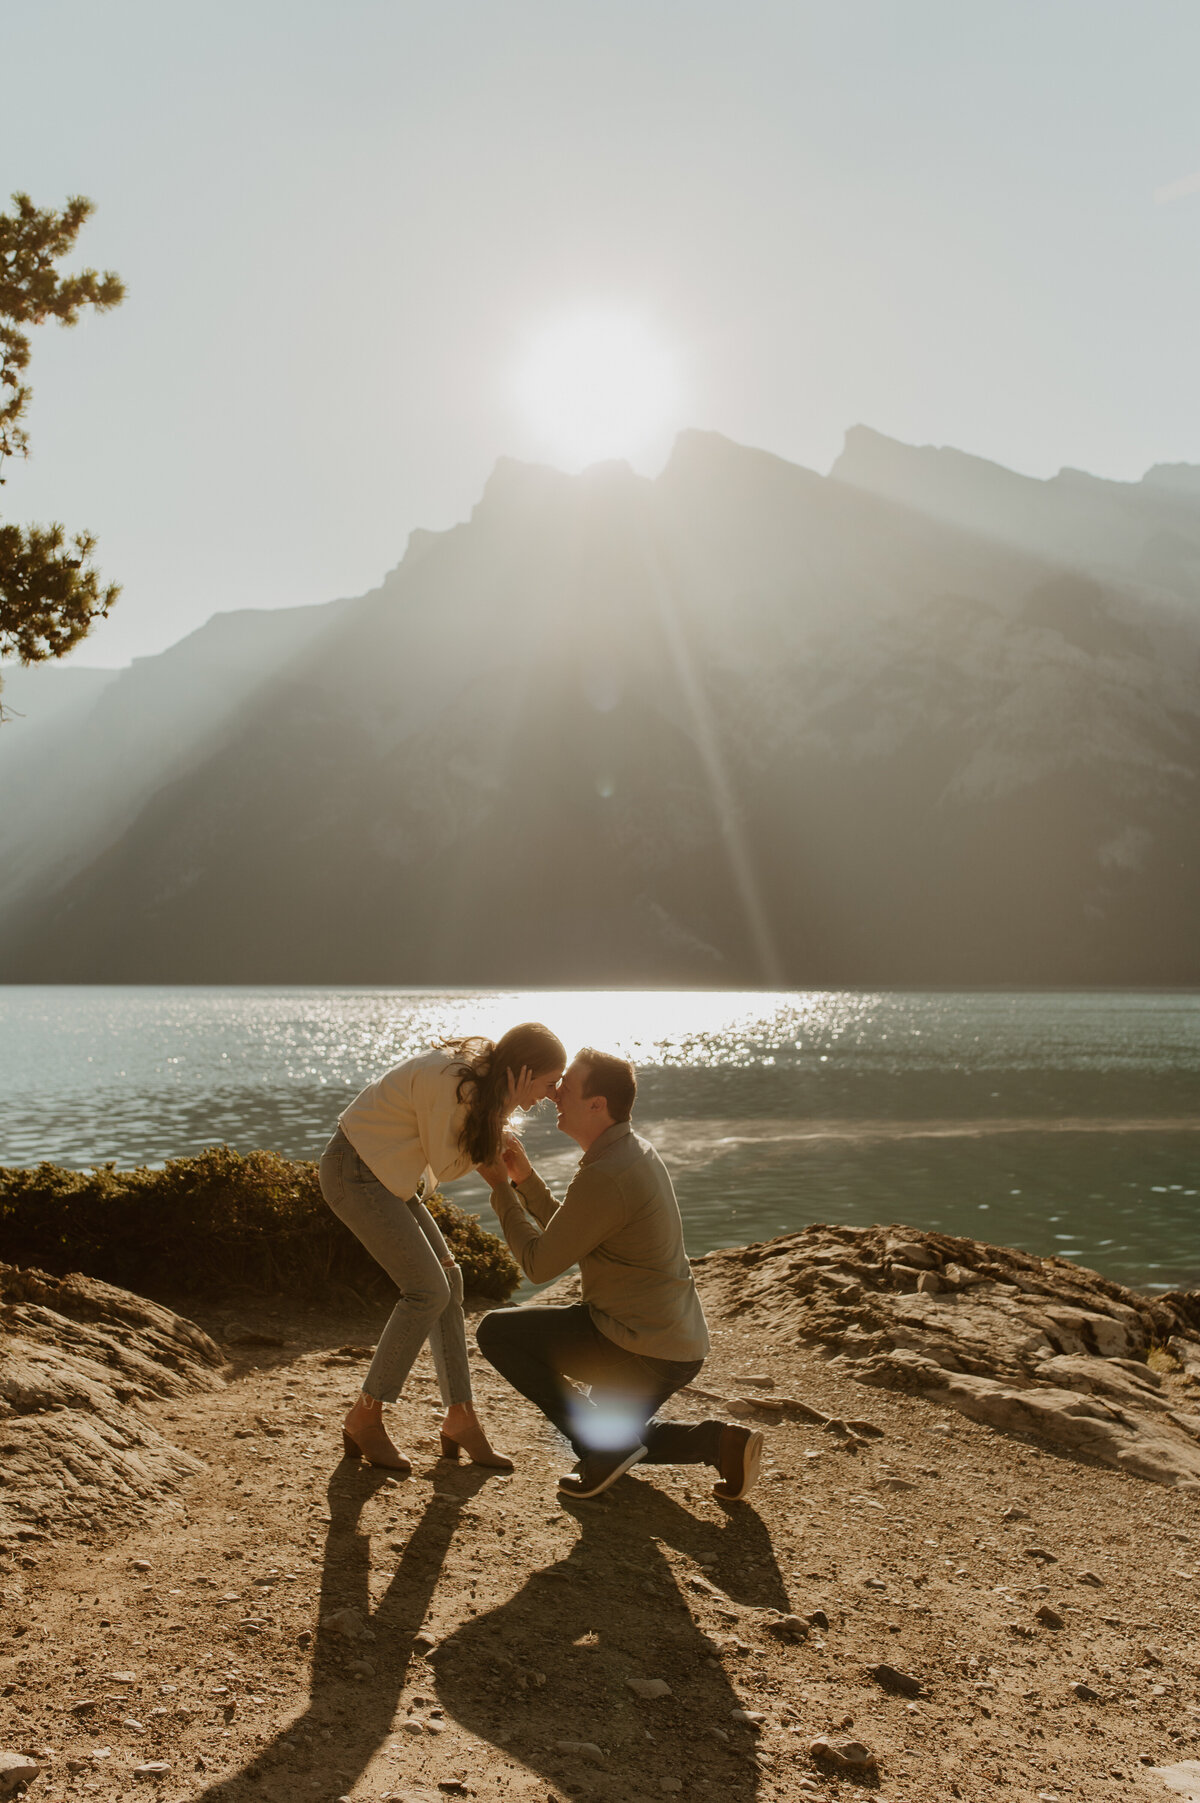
x=521, y=1089
x=494, y=1174
x=516, y=1162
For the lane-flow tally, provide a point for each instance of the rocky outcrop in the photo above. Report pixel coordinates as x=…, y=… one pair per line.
x=78, y=1360
x=1025, y=1344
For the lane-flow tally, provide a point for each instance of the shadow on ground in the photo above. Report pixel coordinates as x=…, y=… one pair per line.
x=550, y=1665
x=547, y=1666
x=328, y=1748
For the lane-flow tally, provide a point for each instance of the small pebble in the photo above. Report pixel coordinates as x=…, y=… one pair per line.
x=583, y=1749
x=891, y=1679
x=843, y=1755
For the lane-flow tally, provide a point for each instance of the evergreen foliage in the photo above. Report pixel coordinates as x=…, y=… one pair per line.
x=50, y=593
x=221, y=1221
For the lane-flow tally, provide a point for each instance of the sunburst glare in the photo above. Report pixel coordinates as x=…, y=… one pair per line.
x=598, y=385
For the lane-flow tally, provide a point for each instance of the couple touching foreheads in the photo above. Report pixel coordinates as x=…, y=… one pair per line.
x=639, y=1333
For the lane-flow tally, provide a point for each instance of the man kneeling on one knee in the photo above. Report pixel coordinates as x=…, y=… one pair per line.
x=639, y=1334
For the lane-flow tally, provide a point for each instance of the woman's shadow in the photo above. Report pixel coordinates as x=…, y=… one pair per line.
x=346, y=1721
x=550, y=1666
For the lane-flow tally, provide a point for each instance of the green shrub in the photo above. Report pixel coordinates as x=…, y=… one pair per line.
x=222, y=1220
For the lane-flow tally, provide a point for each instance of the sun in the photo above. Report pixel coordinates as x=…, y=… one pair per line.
x=597, y=386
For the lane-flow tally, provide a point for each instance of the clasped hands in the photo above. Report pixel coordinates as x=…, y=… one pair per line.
x=512, y=1166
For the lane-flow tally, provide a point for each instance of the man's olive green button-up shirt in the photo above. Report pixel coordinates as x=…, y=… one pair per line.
x=619, y=1222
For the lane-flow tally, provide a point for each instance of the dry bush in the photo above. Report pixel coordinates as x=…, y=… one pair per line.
x=221, y=1221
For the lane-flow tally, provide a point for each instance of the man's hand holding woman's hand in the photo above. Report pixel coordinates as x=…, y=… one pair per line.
x=515, y=1162
x=512, y=1166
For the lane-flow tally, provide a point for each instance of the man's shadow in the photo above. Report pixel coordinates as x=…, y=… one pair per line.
x=551, y=1664
x=345, y=1721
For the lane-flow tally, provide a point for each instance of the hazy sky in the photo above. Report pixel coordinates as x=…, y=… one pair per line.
x=355, y=233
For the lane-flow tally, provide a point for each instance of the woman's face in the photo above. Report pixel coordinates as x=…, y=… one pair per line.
x=546, y=1085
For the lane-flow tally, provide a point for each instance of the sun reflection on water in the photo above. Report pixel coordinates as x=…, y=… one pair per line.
x=1040, y=1120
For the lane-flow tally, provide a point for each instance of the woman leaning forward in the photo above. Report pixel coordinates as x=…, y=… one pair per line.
x=427, y=1121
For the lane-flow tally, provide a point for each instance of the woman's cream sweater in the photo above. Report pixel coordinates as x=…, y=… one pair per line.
x=407, y=1123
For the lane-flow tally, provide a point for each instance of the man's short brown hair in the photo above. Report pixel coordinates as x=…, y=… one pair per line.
x=611, y=1077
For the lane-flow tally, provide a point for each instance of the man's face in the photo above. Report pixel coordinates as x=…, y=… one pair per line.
x=576, y=1112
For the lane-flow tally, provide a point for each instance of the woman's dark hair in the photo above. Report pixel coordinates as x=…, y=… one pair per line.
x=483, y=1085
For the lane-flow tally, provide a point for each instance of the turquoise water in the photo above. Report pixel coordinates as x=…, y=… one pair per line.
x=1062, y=1123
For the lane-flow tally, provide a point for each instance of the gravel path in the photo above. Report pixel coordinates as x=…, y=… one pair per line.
x=302, y=1628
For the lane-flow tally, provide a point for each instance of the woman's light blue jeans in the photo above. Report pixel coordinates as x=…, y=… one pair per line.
x=403, y=1237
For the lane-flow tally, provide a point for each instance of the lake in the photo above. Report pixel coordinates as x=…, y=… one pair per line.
x=1062, y=1123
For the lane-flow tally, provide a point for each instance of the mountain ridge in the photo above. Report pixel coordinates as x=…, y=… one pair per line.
x=738, y=723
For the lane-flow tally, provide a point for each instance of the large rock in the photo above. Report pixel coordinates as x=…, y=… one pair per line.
x=78, y=1360
x=1025, y=1344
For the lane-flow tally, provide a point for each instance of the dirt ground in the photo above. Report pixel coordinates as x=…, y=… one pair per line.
x=492, y=1631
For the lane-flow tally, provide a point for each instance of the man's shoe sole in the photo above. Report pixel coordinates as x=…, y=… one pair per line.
x=752, y=1454
x=570, y=1486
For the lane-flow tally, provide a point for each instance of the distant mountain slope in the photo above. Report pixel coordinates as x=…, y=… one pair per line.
x=87, y=748
x=1147, y=532
x=39, y=696
x=739, y=724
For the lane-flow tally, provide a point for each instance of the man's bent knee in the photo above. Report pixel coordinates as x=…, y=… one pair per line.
x=492, y=1331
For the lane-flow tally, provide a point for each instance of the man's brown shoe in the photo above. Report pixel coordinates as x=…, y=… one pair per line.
x=739, y=1459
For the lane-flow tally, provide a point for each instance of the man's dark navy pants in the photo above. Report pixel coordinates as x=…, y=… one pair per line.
x=545, y=1353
